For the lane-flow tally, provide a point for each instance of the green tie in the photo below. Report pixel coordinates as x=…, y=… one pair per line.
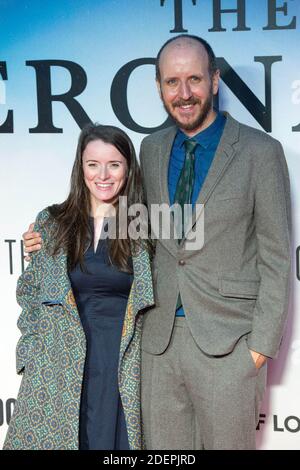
x=185, y=185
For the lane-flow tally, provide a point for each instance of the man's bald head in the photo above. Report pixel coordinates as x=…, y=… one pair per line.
x=185, y=41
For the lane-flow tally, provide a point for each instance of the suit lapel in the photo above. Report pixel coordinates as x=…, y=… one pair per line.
x=224, y=154
x=164, y=158
x=165, y=148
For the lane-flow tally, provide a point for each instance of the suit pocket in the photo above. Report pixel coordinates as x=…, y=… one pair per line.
x=51, y=303
x=228, y=208
x=228, y=196
x=239, y=289
x=52, y=312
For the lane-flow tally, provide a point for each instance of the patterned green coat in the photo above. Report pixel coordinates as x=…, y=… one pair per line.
x=51, y=353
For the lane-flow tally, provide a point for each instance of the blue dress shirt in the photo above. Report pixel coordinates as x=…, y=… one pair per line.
x=208, y=141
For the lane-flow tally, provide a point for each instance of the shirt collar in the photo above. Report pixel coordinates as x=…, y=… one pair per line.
x=204, y=138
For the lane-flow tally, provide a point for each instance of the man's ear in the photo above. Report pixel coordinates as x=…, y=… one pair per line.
x=215, y=82
x=158, y=87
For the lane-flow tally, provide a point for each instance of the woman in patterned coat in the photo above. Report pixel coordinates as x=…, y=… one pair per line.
x=82, y=299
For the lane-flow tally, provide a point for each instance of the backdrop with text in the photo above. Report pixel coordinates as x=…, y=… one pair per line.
x=63, y=64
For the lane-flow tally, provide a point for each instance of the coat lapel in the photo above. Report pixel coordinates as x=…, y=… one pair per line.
x=56, y=286
x=165, y=148
x=224, y=154
x=143, y=285
x=141, y=296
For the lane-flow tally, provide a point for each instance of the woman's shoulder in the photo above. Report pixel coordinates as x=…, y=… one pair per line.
x=43, y=216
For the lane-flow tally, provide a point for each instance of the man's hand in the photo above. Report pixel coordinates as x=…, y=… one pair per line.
x=32, y=241
x=258, y=359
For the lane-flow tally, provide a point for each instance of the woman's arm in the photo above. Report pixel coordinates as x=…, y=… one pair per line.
x=28, y=297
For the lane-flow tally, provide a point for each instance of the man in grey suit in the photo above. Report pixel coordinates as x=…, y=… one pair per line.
x=220, y=310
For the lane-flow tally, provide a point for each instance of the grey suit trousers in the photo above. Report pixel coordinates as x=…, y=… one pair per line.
x=191, y=400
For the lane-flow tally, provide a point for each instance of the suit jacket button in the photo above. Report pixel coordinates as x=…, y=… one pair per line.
x=181, y=262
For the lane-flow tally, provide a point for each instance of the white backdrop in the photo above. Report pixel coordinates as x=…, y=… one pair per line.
x=101, y=37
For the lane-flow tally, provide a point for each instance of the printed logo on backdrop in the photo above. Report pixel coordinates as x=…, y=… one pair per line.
x=298, y=263
x=277, y=17
x=15, y=255
x=6, y=410
x=279, y=423
x=288, y=424
x=273, y=13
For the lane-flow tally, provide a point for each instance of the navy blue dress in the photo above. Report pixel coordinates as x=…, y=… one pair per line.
x=101, y=296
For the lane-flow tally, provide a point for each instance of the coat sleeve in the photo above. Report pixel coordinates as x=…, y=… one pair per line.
x=28, y=297
x=273, y=225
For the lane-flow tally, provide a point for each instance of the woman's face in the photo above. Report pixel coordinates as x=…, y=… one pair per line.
x=105, y=172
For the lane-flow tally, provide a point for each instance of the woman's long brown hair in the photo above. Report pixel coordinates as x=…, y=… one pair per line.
x=72, y=230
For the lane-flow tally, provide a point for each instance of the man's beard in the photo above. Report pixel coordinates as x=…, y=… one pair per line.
x=199, y=120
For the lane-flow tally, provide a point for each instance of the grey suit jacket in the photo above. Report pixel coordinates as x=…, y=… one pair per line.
x=237, y=283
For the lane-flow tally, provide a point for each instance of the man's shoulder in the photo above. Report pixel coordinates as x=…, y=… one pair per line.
x=257, y=135
x=156, y=138
x=252, y=134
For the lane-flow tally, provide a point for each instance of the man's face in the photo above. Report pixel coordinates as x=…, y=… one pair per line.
x=186, y=87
